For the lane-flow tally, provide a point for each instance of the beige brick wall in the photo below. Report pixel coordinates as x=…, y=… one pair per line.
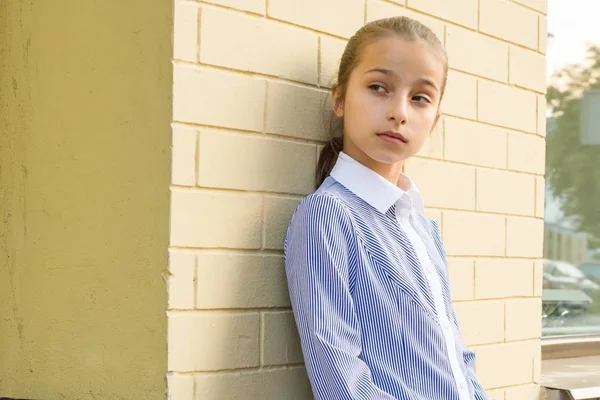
x=250, y=82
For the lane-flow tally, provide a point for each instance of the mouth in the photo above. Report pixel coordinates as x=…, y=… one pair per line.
x=393, y=137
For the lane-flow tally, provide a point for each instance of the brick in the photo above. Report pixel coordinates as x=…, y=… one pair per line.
x=503, y=278
x=487, y=145
x=215, y=340
x=524, y=392
x=523, y=319
x=434, y=145
x=507, y=364
x=496, y=394
x=212, y=219
x=283, y=383
x=541, y=115
x=526, y=153
x=543, y=34
x=183, y=160
x=255, y=6
x=505, y=192
x=265, y=46
x=538, y=278
x=218, y=98
x=523, y=26
x=527, y=69
x=180, y=387
x=185, y=31
x=537, y=362
x=480, y=322
x=462, y=12
x=330, y=54
x=471, y=234
x=241, y=281
x=182, y=266
x=323, y=16
x=540, y=194
x=240, y=161
x=443, y=185
x=460, y=98
x=472, y=52
x=281, y=343
x=538, y=5
x=435, y=215
x=462, y=278
x=377, y=9
x=525, y=237
x=507, y=106
x=297, y=111
x=278, y=212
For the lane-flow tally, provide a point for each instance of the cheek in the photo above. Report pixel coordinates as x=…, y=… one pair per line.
x=427, y=120
x=424, y=127
x=419, y=141
x=359, y=98
x=357, y=109
x=366, y=110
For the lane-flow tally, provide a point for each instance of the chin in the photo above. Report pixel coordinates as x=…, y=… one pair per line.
x=387, y=156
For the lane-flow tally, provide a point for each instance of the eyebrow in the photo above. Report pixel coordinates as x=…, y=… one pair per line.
x=389, y=72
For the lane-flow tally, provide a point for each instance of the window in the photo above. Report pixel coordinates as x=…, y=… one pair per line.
x=571, y=266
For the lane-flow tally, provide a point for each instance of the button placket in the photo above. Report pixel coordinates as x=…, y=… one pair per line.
x=403, y=217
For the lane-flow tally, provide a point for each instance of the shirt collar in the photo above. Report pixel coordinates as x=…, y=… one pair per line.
x=372, y=187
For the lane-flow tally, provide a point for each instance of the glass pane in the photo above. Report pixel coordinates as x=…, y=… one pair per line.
x=571, y=266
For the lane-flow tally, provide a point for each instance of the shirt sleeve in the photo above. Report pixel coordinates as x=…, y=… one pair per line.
x=319, y=251
x=469, y=360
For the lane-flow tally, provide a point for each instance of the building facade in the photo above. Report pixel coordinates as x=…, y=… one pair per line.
x=155, y=152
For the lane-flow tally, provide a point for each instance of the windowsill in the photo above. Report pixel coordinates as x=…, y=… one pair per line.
x=579, y=376
x=571, y=367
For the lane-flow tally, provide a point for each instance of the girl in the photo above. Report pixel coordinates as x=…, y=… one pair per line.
x=367, y=272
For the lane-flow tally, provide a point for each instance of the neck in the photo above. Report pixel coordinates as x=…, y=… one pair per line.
x=391, y=172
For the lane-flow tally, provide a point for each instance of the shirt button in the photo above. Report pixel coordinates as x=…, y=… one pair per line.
x=462, y=386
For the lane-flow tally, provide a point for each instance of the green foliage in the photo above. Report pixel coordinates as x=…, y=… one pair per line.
x=573, y=170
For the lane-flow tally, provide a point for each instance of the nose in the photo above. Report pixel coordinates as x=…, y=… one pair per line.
x=398, y=111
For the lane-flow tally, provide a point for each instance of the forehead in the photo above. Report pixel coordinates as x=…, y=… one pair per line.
x=405, y=57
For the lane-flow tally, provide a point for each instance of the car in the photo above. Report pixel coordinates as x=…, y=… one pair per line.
x=568, y=294
x=563, y=275
x=591, y=270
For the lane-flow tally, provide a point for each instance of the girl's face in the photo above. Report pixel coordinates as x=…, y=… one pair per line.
x=392, y=102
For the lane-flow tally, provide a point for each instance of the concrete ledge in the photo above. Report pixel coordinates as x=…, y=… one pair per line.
x=572, y=378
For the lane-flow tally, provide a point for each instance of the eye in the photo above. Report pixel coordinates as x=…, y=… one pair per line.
x=421, y=99
x=377, y=88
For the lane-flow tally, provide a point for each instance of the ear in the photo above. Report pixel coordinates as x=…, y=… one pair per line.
x=337, y=103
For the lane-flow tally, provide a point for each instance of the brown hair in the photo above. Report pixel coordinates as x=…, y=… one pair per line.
x=403, y=27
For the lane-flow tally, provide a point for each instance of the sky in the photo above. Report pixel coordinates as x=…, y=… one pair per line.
x=573, y=23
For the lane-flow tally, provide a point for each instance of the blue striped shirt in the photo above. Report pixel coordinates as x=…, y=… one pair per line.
x=368, y=281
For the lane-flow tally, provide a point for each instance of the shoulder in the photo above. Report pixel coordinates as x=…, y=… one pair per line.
x=326, y=210
x=320, y=208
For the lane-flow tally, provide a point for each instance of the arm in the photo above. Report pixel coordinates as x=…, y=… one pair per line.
x=318, y=257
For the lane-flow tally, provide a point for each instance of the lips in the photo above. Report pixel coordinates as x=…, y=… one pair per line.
x=393, y=136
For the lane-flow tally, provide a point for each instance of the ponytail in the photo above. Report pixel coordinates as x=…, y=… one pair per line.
x=328, y=158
